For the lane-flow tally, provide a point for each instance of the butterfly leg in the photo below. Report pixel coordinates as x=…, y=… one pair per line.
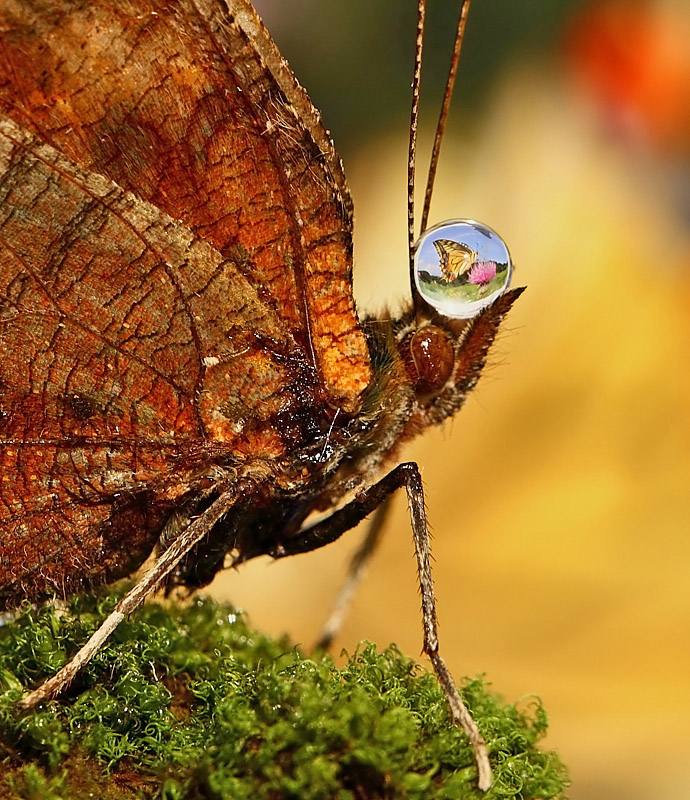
x=333, y=527
x=199, y=528
x=356, y=571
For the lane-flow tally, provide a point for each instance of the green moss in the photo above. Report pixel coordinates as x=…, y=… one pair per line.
x=188, y=702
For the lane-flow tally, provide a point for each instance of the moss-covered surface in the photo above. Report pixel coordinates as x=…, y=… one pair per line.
x=188, y=702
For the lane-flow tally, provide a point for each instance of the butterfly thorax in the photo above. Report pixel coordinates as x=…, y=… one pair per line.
x=421, y=375
x=413, y=385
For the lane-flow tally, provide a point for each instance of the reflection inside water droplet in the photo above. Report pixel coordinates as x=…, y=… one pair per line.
x=461, y=266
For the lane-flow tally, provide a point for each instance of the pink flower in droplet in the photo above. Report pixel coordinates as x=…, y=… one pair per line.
x=482, y=272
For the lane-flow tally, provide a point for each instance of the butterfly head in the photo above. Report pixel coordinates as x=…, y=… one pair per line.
x=462, y=271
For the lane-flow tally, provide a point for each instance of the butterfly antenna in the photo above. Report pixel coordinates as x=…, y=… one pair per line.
x=443, y=116
x=412, y=150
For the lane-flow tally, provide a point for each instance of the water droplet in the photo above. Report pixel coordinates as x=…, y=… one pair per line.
x=461, y=266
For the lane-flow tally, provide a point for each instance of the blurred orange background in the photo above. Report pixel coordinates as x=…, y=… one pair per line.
x=559, y=497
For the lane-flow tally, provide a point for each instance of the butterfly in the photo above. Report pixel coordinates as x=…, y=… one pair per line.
x=456, y=258
x=183, y=369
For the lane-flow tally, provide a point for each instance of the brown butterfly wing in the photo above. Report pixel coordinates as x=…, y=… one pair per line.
x=190, y=106
x=105, y=415
x=136, y=348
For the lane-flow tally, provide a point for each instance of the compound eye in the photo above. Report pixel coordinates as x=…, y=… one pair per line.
x=460, y=267
x=433, y=356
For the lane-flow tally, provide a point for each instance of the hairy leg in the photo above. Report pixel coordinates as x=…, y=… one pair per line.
x=357, y=569
x=151, y=581
x=328, y=530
